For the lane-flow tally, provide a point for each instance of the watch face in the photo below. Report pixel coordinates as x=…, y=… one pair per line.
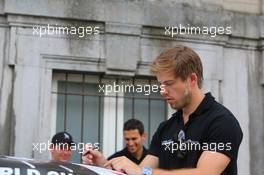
x=147, y=171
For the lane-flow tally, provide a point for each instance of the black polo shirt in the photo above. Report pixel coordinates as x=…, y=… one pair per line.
x=126, y=153
x=210, y=127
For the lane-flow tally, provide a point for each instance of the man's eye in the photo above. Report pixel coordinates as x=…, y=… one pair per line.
x=168, y=84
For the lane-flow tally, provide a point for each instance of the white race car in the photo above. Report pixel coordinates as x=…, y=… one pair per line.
x=22, y=166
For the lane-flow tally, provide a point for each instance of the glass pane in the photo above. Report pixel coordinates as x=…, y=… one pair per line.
x=128, y=102
x=158, y=112
x=147, y=109
x=80, y=108
x=60, y=107
x=91, y=115
x=74, y=116
x=157, y=115
x=142, y=114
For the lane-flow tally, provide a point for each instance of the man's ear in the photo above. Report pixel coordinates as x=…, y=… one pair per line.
x=144, y=136
x=193, y=79
x=51, y=148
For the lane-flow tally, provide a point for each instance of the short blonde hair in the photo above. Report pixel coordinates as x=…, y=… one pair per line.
x=180, y=59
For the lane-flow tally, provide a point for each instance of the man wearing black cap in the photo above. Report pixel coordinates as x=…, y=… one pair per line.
x=60, y=148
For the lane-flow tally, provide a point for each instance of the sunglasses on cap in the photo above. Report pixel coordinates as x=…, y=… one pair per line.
x=180, y=138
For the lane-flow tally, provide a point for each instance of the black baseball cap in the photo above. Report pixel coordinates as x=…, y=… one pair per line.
x=62, y=137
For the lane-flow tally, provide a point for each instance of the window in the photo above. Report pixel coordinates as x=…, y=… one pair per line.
x=84, y=106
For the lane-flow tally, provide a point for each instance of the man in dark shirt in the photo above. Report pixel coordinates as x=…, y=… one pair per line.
x=201, y=138
x=211, y=127
x=134, y=137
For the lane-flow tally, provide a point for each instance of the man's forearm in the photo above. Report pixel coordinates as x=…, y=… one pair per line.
x=191, y=171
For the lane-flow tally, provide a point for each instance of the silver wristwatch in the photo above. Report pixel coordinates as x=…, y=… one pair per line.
x=147, y=171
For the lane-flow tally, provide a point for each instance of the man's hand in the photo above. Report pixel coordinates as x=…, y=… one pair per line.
x=93, y=157
x=123, y=164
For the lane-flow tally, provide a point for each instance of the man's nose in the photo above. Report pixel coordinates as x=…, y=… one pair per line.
x=163, y=91
x=66, y=151
x=130, y=142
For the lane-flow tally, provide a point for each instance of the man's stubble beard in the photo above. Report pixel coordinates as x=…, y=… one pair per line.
x=184, y=101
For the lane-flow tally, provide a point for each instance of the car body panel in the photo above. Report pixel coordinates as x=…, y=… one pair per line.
x=22, y=166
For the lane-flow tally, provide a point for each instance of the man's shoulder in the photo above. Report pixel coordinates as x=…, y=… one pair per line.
x=145, y=151
x=223, y=116
x=118, y=154
x=220, y=111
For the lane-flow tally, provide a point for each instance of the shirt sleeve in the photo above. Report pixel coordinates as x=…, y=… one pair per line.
x=224, y=135
x=155, y=144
